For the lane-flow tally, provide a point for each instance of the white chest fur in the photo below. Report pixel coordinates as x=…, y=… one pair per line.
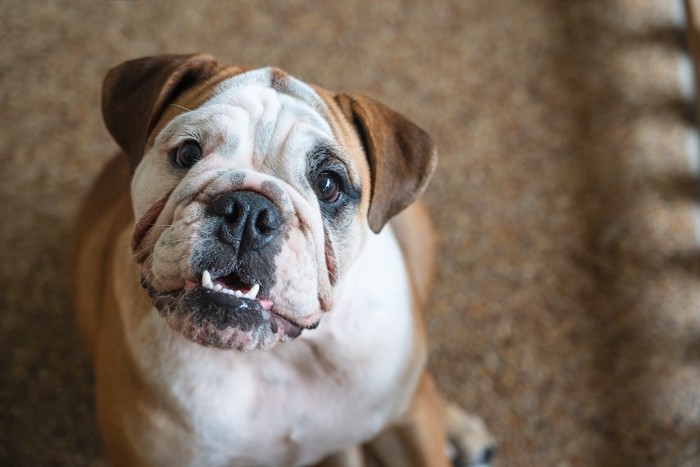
x=332, y=387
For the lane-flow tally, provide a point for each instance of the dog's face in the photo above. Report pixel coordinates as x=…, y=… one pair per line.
x=244, y=202
x=253, y=192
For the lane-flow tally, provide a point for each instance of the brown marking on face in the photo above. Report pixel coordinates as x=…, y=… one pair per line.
x=277, y=80
x=193, y=98
x=346, y=136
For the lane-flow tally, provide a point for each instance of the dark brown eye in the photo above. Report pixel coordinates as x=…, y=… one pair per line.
x=327, y=186
x=187, y=154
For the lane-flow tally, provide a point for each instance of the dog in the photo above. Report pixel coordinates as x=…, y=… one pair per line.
x=243, y=295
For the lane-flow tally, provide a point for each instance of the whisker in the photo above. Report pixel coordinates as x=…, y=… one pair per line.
x=181, y=107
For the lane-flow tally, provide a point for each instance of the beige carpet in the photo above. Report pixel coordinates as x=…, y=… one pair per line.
x=568, y=308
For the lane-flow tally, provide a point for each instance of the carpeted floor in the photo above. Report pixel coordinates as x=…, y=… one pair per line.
x=567, y=313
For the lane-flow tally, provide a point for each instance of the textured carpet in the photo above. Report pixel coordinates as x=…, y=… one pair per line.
x=567, y=312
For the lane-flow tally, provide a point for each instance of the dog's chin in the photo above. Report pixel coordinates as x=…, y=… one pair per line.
x=216, y=319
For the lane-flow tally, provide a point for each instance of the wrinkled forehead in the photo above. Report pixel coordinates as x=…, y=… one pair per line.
x=268, y=94
x=273, y=79
x=266, y=106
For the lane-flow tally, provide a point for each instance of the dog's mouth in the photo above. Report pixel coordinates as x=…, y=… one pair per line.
x=224, y=312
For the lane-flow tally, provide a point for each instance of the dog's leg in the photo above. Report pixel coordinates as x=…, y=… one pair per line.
x=433, y=433
x=470, y=443
x=106, y=205
x=418, y=439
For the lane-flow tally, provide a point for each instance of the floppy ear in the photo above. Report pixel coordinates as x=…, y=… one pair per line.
x=401, y=156
x=136, y=93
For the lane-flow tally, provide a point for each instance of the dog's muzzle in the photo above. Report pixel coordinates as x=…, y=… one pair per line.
x=225, y=305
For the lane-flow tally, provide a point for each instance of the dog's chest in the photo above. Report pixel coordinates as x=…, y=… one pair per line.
x=294, y=404
x=278, y=412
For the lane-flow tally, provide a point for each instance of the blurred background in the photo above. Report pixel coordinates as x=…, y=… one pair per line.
x=567, y=310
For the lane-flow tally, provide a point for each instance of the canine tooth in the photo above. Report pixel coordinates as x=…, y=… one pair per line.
x=253, y=292
x=217, y=288
x=206, y=279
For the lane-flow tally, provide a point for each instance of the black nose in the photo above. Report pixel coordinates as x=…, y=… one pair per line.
x=250, y=220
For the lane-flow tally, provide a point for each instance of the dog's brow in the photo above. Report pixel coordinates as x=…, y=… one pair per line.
x=324, y=150
x=320, y=153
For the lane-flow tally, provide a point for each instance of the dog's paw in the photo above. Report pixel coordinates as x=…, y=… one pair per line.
x=469, y=442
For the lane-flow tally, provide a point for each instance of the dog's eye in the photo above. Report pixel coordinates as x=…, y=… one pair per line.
x=327, y=186
x=187, y=154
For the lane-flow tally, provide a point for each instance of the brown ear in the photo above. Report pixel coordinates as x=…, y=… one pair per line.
x=401, y=156
x=136, y=93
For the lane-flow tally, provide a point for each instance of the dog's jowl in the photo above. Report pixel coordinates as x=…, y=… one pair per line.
x=250, y=274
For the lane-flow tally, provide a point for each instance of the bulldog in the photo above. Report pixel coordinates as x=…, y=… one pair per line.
x=239, y=287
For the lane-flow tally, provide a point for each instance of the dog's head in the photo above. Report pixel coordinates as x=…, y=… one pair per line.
x=253, y=192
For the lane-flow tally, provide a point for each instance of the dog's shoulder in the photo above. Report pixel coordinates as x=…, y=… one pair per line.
x=106, y=212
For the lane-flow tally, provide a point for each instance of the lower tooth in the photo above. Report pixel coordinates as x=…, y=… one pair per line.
x=253, y=292
x=206, y=279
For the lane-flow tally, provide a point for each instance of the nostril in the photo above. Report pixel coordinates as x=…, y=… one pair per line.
x=266, y=222
x=225, y=207
x=262, y=222
x=234, y=213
